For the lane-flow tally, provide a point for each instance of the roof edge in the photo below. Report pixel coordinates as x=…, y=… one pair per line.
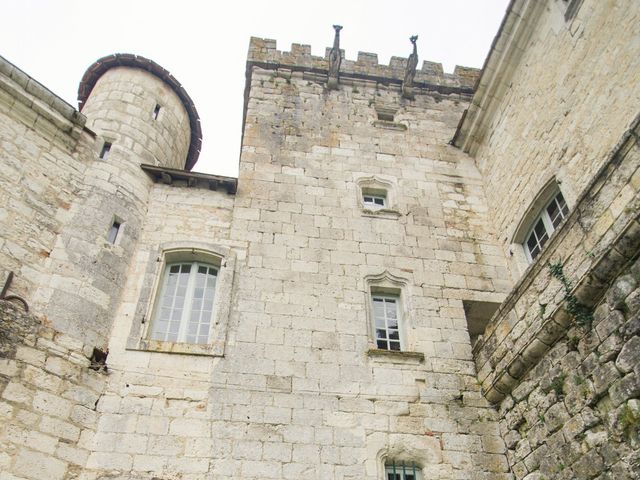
x=519, y=19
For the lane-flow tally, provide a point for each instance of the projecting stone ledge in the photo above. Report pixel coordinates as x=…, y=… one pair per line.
x=185, y=178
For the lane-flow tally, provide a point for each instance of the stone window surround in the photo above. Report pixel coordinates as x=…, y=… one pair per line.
x=387, y=283
x=378, y=186
x=170, y=252
x=547, y=222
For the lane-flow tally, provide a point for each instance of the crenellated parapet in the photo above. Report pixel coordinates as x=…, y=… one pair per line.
x=264, y=53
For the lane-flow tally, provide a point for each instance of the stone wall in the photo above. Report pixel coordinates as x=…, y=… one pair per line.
x=48, y=399
x=59, y=198
x=577, y=413
x=568, y=384
x=41, y=138
x=554, y=108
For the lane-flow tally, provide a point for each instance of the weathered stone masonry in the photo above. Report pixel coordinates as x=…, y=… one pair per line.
x=292, y=383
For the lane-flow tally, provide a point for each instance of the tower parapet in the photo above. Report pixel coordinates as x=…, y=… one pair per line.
x=263, y=52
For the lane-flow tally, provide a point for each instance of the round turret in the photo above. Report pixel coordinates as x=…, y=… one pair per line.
x=141, y=109
x=140, y=115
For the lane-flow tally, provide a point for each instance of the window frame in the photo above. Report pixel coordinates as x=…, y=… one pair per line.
x=373, y=196
x=547, y=222
x=416, y=471
x=387, y=297
x=391, y=284
x=150, y=287
x=187, y=308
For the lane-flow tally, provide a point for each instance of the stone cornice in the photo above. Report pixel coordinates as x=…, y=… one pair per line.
x=506, y=49
x=32, y=94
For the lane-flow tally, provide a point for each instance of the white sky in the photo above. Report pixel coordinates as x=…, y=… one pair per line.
x=204, y=44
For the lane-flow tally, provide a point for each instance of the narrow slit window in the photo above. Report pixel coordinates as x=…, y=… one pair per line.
x=156, y=111
x=385, y=116
x=106, y=148
x=113, y=232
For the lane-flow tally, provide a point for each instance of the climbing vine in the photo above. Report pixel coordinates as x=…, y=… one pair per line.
x=582, y=314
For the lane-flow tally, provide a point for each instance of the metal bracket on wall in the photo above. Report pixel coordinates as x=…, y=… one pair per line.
x=5, y=289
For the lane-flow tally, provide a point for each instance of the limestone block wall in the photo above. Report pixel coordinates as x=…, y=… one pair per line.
x=121, y=108
x=558, y=106
x=44, y=151
x=560, y=356
x=157, y=412
x=299, y=390
x=577, y=414
x=48, y=399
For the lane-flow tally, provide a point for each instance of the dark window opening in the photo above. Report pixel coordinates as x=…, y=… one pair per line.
x=156, y=111
x=113, y=232
x=385, y=116
x=106, y=148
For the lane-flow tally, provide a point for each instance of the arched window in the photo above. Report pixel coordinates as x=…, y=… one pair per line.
x=545, y=224
x=543, y=217
x=388, y=312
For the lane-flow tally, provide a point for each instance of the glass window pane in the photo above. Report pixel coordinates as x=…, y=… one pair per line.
x=394, y=346
x=382, y=344
x=543, y=239
x=534, y=252
x=540, y=230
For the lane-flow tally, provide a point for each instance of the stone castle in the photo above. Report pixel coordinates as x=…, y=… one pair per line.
x=416, y=275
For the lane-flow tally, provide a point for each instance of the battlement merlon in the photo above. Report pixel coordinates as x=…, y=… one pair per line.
x=263, y=52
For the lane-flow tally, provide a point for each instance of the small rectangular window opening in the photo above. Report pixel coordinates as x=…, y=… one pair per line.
x=385, y=116
x=113, y=232
x=106, y=148
x=156, y=111
x=377, y=200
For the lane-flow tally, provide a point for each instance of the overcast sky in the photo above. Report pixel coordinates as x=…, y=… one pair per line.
x=204, y=43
